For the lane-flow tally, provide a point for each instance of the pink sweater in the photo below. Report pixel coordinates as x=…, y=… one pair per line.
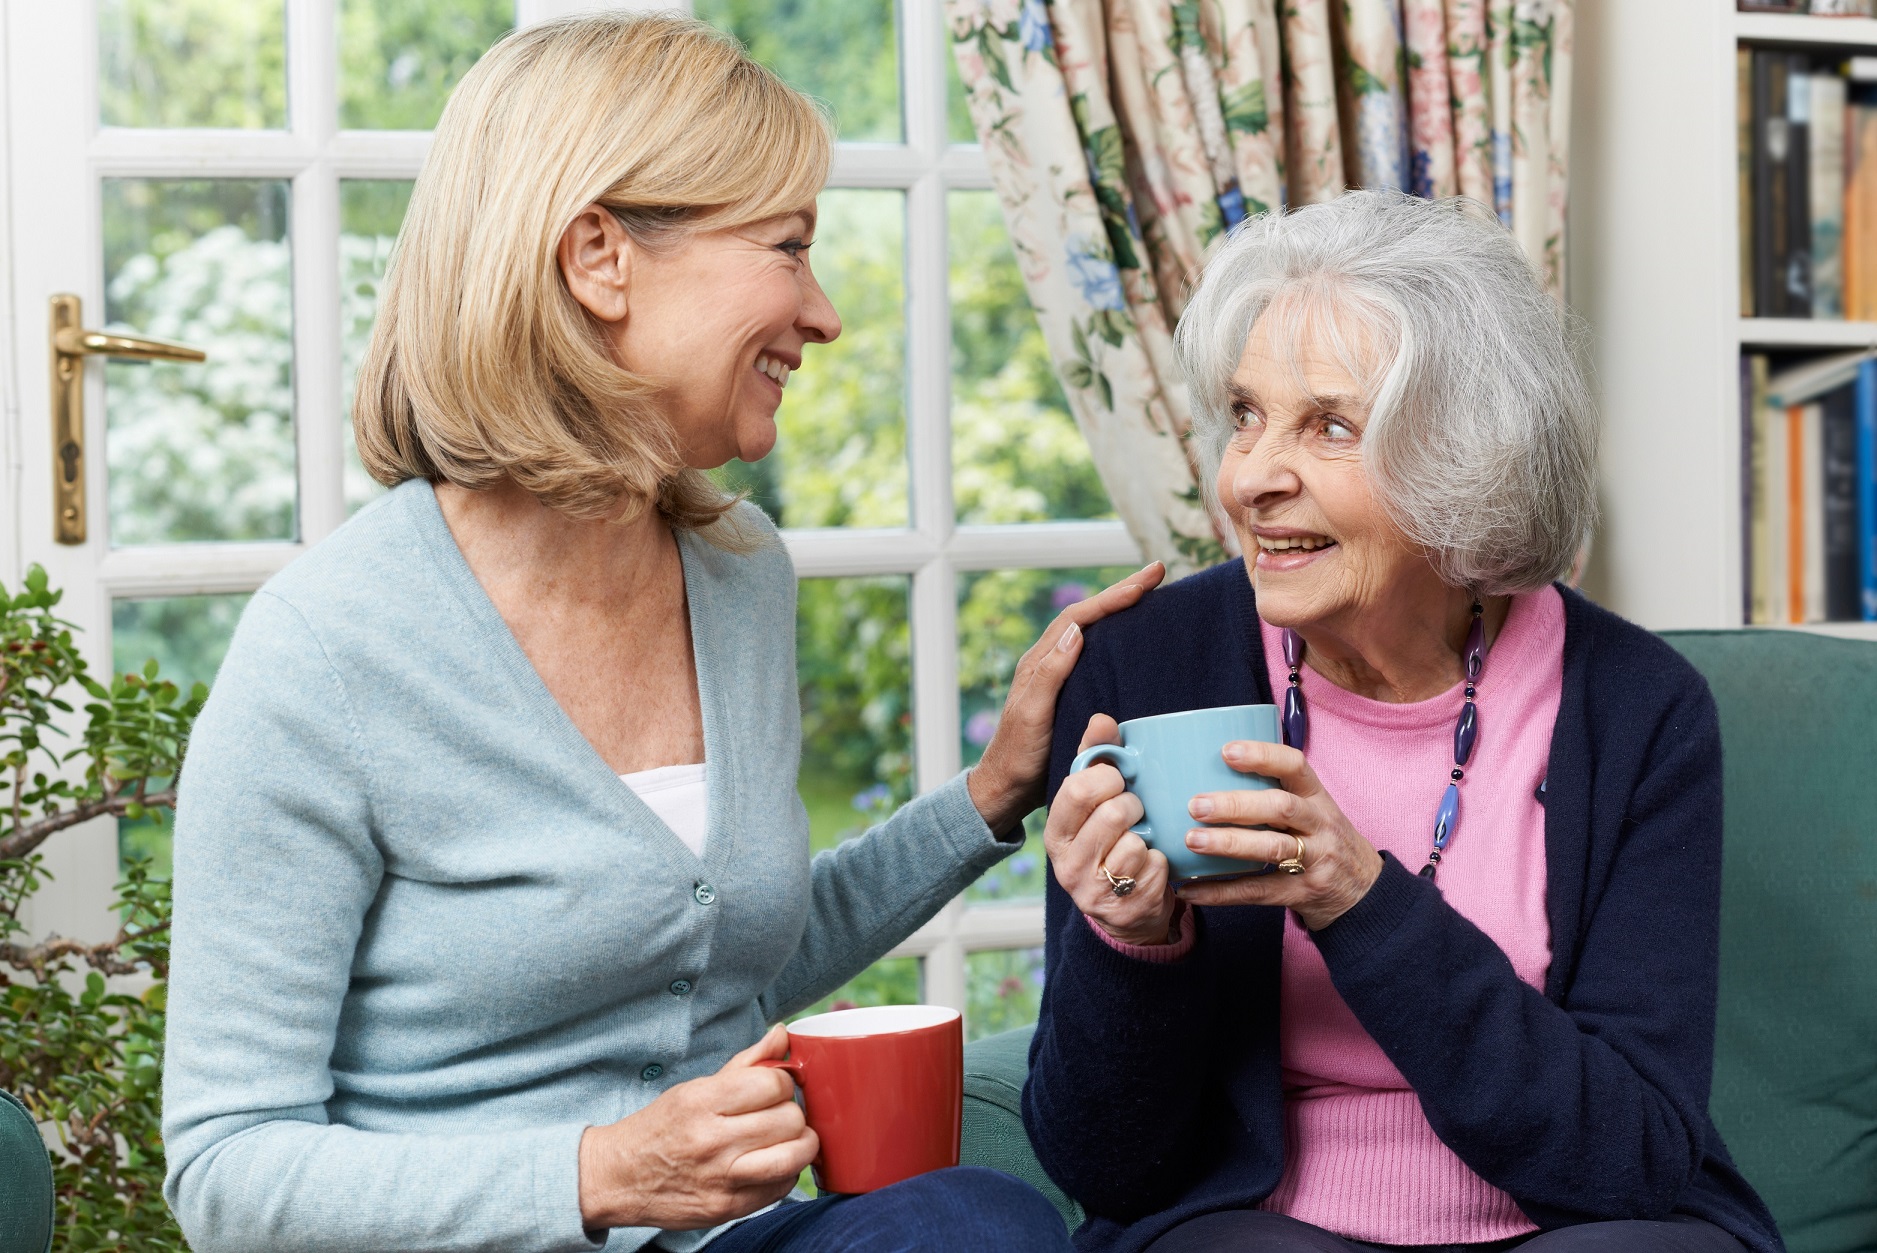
x=1360, y=1157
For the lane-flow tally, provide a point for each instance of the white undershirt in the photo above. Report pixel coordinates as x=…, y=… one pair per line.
x=678, y=796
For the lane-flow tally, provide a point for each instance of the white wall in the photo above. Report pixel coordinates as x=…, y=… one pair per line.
x=11, y=467
x=1651, y=229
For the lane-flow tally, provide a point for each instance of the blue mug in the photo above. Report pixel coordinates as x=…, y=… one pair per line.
x=1168, y=759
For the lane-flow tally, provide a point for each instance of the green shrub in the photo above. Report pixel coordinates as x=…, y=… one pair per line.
x=84, y=1054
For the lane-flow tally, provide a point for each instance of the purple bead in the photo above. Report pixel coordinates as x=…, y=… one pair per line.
x=1475, y=651
x=1465, y=732
x=1447, y=817
x=1293, y=649
x=1296, y=723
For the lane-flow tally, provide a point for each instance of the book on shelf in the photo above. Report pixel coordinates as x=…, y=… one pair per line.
x=1808, y=471
x=1798, y=244
x=1743, y=119
x=1765, y=212
x=1809, y=489
x=1825, y=193
x=1821, y=8
x=1866, y=406
x=1838, y=472
x=1807, y=184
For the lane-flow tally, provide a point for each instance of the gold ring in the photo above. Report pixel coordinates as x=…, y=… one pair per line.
x=1119, y=886
x=1293, y=865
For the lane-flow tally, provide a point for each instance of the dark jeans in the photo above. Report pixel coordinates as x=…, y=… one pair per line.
x=1254, y=1231
x=967, y=1208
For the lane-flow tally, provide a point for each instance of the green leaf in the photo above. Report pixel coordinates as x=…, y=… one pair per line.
x=36, y=578
x=1363, y=83
x=1077, y=374
x=1245, y=109
x=992, y=49
x=149, y=668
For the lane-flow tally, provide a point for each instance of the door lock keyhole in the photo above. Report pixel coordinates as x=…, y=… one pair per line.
x=69, y=454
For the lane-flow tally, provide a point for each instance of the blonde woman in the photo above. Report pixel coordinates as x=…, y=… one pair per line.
x=490, y=867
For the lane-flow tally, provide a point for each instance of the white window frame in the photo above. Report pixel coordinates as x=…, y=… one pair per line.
x=315, y=155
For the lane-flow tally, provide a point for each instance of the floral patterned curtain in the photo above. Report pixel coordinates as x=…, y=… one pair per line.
x=1125, y=137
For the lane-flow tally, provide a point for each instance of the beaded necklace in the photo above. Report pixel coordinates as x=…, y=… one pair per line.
x=1465, y=731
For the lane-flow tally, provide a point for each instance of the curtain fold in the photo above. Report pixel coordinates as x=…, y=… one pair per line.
x=1125, y=137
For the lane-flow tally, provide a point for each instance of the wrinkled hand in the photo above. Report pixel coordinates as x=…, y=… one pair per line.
x=1340, y=866
x=703, y=1153
x=1087, y=829
x=1010, y=779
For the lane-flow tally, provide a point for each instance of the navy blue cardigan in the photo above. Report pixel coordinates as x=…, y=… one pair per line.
x=1154, y=1092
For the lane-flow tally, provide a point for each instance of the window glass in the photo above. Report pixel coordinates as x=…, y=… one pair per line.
x=175, y=63
x=187, y=637
x=889, y=981
x=1017, y=455
x=200, y=451
x=1000, y=614
x=399, y=59
x=1003, y=990
x=370, y=212
x=958, y=125
x=840, y=456
x=853, y=645
x=842, y=51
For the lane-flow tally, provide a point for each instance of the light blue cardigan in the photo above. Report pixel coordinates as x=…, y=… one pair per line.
x=424, y=935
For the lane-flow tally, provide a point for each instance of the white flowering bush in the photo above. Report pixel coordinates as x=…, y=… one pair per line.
x=205, y=452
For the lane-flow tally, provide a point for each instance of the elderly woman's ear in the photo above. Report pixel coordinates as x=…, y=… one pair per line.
x=595, y=256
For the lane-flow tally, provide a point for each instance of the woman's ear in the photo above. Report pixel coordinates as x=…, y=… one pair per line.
x=595, y=256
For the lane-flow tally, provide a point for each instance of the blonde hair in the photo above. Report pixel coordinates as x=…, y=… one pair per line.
x=482, y=366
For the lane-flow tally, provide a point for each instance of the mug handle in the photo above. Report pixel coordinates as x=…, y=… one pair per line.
x=790, y=1064
x=1122, y=758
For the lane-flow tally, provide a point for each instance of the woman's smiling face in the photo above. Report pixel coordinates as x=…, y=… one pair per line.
x=1294, y=482
x=719, y=321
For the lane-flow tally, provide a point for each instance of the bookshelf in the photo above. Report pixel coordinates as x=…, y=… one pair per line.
x=1653, y=270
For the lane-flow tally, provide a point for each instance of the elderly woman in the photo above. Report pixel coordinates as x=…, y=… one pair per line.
x=490, y=866
x=1474, y=1006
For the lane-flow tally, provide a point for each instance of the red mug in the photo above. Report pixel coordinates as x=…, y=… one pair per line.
x=884, y=1089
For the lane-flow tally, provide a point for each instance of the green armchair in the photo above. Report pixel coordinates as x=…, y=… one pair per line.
x=25, y=1182
x=1795, y=1064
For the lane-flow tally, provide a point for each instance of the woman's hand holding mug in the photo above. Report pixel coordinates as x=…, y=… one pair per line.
x=703, y=1153
x=1340, y=865
x=1088, y=831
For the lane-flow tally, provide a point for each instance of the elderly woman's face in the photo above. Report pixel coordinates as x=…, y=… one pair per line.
x=1294, y=483
x=720, y=320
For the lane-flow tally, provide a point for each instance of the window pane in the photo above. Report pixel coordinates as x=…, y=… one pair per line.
x=187, y=636
x=218, y=63
x=1017, y=455
x=889, y=981
x=1000, y=614
x=1003, y=990
x=957, y=113
x=399, y=59
x=370, y=212
x=200, y=452
x=840, y=51
x=840, y=457
x=853, y=646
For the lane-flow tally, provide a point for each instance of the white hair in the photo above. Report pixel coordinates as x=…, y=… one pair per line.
x=1482, y=437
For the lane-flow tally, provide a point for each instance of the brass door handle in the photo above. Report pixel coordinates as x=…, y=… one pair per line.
x=71, y=344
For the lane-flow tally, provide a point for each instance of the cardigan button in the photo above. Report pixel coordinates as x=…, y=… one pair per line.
x=651, y=1072
x=681, y=987
x=705, y=894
